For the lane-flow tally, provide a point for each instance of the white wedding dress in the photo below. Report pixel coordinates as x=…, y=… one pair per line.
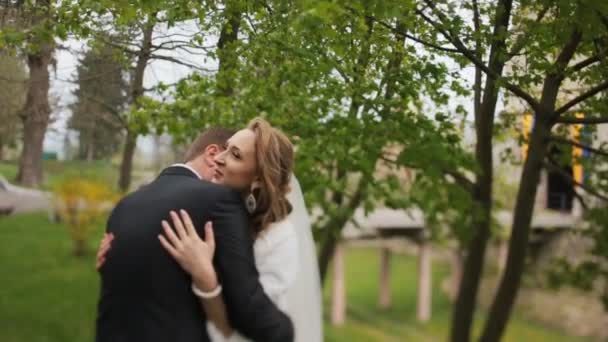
x=286, y=261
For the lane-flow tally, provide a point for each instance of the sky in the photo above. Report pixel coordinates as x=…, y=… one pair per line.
x=62, y=84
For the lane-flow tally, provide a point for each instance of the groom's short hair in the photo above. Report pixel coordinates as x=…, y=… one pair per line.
x=214, y=135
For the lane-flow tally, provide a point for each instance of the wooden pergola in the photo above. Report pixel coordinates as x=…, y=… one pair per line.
x=384, y=225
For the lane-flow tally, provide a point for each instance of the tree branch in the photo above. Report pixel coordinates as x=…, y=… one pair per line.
x=590, y=93
x=521, y=40
x=107, y=107
x=180, y=62
x=477, y=85
x=458, y=177
x=471, y=56
x=577, y=144
x=583, y=121
x=476, y=22
x=439, y=28
x=120, y=47
x=580, y=199
x=405, y=34
x=554, y=166
x=566, y=54
x=176, y=44
x=587, y=62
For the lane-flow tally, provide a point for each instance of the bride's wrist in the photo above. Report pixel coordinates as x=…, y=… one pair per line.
x=206, y=279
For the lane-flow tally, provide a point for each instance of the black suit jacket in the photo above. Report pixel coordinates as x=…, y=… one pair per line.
x=146, y=296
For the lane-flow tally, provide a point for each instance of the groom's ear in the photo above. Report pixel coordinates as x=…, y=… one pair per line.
x=210, y=152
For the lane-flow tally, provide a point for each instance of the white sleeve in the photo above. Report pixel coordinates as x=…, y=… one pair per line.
x=278, y=266
x=276, y=257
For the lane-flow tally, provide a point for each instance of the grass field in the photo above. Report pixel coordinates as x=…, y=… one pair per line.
x=48, y=295
x=367, y=322
x=56, y=171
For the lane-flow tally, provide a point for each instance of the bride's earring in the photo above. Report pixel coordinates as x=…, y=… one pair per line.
x=251, y=203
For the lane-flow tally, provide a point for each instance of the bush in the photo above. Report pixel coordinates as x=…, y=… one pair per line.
x=81, y=205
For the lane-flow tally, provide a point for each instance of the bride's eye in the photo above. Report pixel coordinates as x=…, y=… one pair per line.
x=236, y=154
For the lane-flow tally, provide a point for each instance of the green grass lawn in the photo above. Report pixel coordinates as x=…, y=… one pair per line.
x=55, y=171
x=367, y=322
x=48, y=295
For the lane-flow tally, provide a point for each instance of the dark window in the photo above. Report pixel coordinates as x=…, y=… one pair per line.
x=559, y=187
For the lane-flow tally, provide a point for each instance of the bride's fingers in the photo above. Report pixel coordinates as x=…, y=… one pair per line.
x=105, y=243
x=175, y=242
x=209, y=235
x=99, y=263
x=177, y=223
x=168, y=246
x=103, y=251
x=100, y=259
x=188, y=223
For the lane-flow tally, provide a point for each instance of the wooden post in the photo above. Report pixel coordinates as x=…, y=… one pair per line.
x=384, y=297
x=338, y=297
x=424, y=281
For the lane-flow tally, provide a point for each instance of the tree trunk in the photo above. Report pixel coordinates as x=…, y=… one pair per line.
x=90, y=152
x=462, y=317
x=226, y=50
x=35, y=116
x=524, y=207
x=80, y=248
x=501, y=308
x=464, y=308
x=126, y=166
x=137, y=90
x=327, y=251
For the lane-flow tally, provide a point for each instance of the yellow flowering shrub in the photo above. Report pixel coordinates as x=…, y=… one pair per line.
x=81, y=205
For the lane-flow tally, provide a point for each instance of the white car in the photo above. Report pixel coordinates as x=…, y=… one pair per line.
x=16, y=199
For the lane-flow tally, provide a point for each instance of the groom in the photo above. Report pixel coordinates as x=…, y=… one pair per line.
x=146, y=296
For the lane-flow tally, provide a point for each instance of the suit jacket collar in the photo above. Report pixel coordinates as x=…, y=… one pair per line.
x=177, y=170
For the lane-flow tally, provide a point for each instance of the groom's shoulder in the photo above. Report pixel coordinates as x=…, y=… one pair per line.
x=218, y=191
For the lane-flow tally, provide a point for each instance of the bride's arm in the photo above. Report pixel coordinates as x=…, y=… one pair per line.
x=196, y=257
x=214, y=307
x=277, y=273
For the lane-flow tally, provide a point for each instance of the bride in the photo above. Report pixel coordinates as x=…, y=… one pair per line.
x=258, y=161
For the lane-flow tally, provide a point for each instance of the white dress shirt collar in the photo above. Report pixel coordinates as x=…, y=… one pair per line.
x=189, y=168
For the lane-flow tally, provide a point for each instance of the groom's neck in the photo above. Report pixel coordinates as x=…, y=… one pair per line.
x=200, y=167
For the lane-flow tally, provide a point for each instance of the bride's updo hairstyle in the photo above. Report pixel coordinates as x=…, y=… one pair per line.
x=274, y=153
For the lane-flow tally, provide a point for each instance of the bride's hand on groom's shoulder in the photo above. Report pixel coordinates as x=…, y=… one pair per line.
x=193, y=254
x=104, y=246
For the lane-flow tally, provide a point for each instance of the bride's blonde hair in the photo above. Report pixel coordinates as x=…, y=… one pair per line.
x=275, y=159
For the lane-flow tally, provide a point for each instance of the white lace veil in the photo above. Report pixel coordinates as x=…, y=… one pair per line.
x=304, y=297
